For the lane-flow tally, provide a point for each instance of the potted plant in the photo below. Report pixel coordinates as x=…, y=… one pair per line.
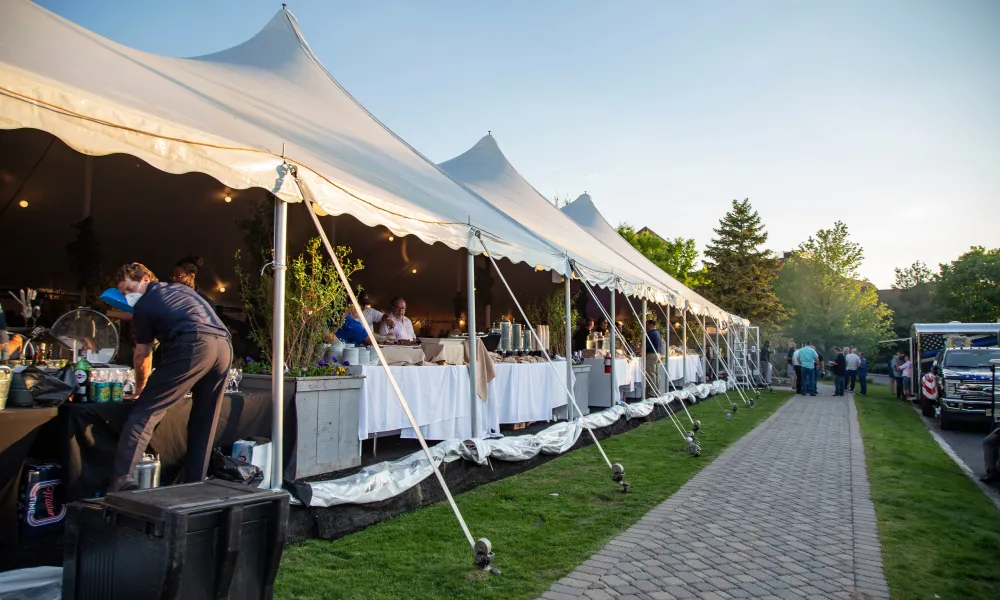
x=327, y=397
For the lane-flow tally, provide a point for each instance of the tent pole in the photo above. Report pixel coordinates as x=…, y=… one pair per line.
x=614, y=340
x=717, y=374
x=645, y=375
x=684, y=344
x=666, y=358
x=704, y=355
x=278, y=344
x=569, y=340
x=470, y=320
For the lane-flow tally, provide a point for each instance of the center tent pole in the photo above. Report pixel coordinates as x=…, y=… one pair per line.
x=470, y=319
x=278, y=343
x=645, y=373
x=614, y=336
x=684, y=344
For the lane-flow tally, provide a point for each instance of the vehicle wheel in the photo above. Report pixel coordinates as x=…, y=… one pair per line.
x=946, y=422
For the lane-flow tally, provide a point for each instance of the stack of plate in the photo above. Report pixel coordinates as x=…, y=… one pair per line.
x=350, y=355
x=364, y=356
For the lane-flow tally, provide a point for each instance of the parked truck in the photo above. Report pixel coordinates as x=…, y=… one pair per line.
x=962, y=353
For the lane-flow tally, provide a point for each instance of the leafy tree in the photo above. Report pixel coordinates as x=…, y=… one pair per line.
x=912, y=298
x=677, y=257
x=829, y=304
x=912, y=276
x=968, y=289
x=740, y=273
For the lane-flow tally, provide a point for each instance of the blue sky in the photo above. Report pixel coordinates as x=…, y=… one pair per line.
x=885, y=114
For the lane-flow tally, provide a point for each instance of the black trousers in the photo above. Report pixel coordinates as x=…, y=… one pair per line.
x=900, y=392
x=195, y=363
x=798, y=379
x=852, y=377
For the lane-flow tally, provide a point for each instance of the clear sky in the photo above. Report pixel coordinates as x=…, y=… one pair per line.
x=883, y=114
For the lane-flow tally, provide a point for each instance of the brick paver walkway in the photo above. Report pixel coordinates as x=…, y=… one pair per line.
x=784, y=513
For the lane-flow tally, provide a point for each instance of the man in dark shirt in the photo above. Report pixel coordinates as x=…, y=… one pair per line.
x=839, y=372
x=653, y=341
x=580, y=335
x=196, y=358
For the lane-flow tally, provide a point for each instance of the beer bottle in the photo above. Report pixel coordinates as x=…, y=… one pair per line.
x=81, y=370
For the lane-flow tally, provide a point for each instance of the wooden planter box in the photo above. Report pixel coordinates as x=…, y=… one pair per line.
x=327, y=409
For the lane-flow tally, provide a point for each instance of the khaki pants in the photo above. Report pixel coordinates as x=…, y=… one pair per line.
x=652, y=376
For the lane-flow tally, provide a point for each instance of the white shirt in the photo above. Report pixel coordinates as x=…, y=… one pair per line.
x=403, y=328
x=372, y=316
x=853, y=361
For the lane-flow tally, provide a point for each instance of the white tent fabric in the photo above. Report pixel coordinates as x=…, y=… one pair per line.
x=585, y=213
x=485, y=170
x=238, y=115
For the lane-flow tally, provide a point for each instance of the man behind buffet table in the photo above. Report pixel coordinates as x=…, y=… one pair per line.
x=396, y=324
x=580, y=335
x=196, y=357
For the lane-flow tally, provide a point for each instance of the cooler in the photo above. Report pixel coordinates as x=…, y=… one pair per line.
x=196, y=541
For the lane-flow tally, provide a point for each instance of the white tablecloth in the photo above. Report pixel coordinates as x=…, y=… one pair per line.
x=438, y=396
x=528, y=392
x=696, y=371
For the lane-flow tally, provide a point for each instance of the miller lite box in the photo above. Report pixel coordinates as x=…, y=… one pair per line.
x=40, y=502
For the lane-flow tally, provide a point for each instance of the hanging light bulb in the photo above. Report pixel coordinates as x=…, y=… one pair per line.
x=391, y=238
x=222, y=289
x=23, y=204
x=414, y=271
x=229, y=199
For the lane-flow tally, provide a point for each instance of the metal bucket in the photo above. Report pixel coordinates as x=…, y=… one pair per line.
x=147, y=472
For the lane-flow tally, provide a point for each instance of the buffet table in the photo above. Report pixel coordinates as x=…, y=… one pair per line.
x=695, y=368
x=438, y=397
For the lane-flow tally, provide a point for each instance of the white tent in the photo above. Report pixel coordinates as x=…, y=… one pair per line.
x=585, y=214
x=245, y=116
x=485, y=170
x=238, y=115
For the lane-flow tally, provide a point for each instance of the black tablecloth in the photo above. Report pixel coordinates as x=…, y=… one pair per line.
x=18, y=428
x=85, y=437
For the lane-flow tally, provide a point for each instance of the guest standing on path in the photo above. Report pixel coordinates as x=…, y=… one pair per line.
x=807, y=360
x=853, y=362
x=839, y=365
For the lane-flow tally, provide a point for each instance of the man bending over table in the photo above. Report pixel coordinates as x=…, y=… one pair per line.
x=196, y=357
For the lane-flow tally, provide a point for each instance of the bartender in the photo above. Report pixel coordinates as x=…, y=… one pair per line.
x=196, y=358
x=185, y=272
x=396, y=323
x=581, y=334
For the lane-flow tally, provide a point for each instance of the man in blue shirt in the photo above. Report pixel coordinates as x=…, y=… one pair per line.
x=653, y=342
x=196, y=357
x=807, y=359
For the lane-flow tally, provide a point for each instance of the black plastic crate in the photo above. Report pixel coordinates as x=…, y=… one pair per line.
x=195, y=541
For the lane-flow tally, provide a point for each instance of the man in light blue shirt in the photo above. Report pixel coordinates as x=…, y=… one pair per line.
x=807, y=358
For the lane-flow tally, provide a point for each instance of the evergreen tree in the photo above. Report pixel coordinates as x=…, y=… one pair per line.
x=740, y=271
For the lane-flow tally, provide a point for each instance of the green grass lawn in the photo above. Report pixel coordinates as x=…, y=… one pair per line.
x=538, y=536
x=940, y=534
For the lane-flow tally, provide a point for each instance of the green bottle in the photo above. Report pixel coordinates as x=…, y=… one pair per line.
x=81, y=370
